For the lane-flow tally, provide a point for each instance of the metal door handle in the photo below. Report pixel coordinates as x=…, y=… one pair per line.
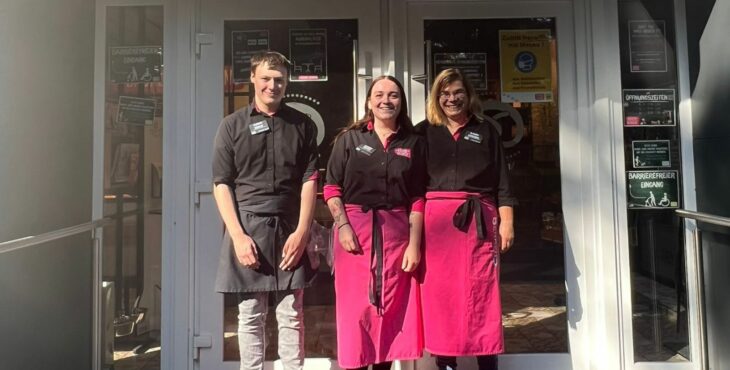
x=201, y=341
x=355, y=77
x=420, y=78
x=202, y=39
x=429, y=67
x=202, y=187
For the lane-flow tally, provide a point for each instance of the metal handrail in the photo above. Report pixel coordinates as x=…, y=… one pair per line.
x=704, y=217
x=29, y=241
x=699, y=269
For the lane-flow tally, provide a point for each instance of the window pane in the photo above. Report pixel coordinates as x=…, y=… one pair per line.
x=133, y=187
x=652, y=152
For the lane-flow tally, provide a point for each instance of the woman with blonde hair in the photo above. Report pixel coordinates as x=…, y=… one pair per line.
x=376, y=179
x=468, y=223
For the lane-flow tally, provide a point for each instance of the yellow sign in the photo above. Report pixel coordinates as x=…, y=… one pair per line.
x=525, y=65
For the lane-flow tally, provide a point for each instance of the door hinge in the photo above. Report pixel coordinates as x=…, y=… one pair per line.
x=201, y=341
x=202, y=187
x=202, y=39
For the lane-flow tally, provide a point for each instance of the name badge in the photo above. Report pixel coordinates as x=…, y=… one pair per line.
x=473, y=137
x=258, y=127
x=365, y=149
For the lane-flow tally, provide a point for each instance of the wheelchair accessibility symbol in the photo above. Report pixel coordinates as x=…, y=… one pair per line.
x=525, y=61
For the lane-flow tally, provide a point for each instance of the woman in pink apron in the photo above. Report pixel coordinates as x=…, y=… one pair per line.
x=468, y=223
x=376, y=180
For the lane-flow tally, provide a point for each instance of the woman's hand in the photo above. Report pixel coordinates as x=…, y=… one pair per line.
x=348, y=239
x=411, y=258
x=506, y=228
x=506, y=235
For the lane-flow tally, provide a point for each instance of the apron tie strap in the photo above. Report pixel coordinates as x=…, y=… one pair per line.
x=472, y=207
x=375, y=291
x=275, y=224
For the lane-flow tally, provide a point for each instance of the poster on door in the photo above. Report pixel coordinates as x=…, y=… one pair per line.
x=135, y=64
x=472, y=65
x=244, y=44
x=649, y=107
x=525, y=65
x=653, y=189
x=647, y=46
x=308, y=54
x=136, y=111
x=651, y=153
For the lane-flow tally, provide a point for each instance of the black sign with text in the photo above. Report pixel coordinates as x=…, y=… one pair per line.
x=472, y=65
x=136, y=110
x=649, y=107
x=245, y=44
x=647, y=46
x=308, y=54
x=653, y=189
x=135, y=64
x=651, y=153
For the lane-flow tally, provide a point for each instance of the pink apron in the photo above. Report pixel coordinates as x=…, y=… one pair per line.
x=462, y=314
x=376, y=322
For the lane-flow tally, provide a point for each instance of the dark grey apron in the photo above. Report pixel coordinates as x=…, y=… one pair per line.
x=269, y=224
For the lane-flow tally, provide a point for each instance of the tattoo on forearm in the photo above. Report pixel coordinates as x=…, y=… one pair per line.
x=337, y=211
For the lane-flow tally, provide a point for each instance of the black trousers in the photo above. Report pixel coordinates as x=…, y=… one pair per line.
x=486, y=362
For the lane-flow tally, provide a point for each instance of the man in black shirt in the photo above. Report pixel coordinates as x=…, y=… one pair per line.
x=264, y=176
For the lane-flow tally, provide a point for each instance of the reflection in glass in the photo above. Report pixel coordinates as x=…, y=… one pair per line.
x=132, y=188
x=659, y=299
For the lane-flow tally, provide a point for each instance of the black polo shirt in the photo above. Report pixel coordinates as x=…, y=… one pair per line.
x=264, y=157
x=369, y=174
x=471, y=160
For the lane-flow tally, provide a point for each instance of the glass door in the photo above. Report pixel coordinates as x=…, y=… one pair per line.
x=132, y=131
x=331, y=55
x=511, y=57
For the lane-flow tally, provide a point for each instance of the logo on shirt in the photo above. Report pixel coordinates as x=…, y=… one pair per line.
x=365, y=149
x=403, y=152
x=258, y=127
x=473, y=137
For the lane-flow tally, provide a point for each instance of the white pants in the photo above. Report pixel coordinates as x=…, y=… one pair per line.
x=252, y=309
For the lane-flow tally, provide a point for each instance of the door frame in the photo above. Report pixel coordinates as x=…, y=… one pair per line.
x=174, y=322
x=598, y=244
x=689, y=198
x=413, y=12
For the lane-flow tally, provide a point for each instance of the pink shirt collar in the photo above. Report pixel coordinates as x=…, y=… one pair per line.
x=371, y=128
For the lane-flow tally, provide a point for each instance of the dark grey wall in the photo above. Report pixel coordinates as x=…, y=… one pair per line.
x=45, y=314
x=708, y=22
x=46, y=101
